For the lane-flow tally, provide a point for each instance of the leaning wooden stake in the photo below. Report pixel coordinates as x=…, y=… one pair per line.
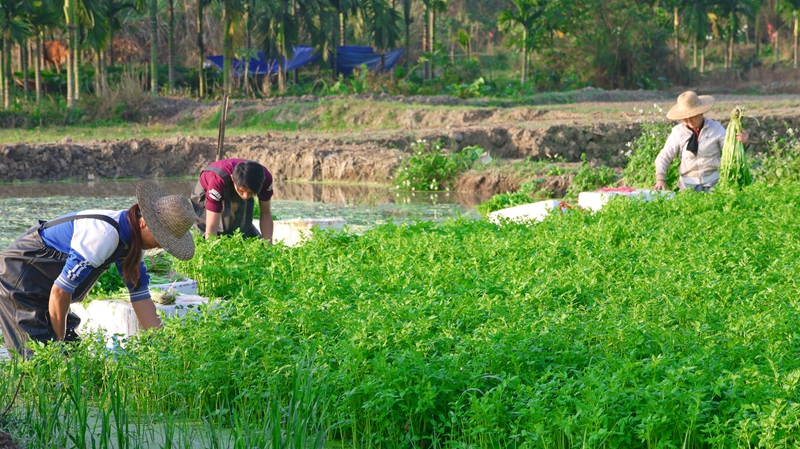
x=223, y=117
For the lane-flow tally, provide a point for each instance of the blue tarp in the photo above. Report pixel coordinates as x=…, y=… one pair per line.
x=351, y=56
x=348, y=58
x=260, y=66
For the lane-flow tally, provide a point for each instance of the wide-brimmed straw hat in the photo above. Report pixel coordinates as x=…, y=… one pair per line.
x=169, y=218
x=690, y=104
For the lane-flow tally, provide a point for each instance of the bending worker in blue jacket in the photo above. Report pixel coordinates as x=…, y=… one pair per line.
x=57, y=262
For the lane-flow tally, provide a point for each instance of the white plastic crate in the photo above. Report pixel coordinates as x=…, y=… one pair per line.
x=595, y=201
x=187, y=287
x=118, y=317
x=292, y=232
x=527, y=212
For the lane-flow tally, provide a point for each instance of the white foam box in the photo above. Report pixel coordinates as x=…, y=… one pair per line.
x=187, y=287
x=4, y=355
x=292, y=232
x=595, y=201
x=118, y=317
x=526, y=212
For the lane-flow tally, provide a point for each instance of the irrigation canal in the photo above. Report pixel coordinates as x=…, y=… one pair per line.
x=362, y=206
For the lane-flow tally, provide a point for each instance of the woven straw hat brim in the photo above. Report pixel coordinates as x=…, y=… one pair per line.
x=147, y=193
x=680, y=112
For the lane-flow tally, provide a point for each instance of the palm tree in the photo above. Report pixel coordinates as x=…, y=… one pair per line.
x=113, y=9
x=154, y=47
x=790, y=10
x=526, y=20
x=341, y=9
x=429, y=33
x=407, y=20
x=13, y=27
x=44, y=14
x=732, y=9
x=201, y=89
x=278, y=29
x=698, y=21
x=171, y=45
x=152, y=7
x=383, y=26
x=230, y=9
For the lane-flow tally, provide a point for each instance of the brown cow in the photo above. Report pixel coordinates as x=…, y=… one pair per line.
x=55, y=53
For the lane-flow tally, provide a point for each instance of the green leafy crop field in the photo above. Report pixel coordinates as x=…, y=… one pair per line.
x=664, y=324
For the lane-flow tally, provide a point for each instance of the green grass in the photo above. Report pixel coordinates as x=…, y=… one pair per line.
x=663, y=324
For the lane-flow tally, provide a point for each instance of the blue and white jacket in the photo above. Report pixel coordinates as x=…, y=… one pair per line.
x=89, y=242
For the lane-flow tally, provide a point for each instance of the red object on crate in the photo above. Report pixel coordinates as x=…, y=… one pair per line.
x=616, y=189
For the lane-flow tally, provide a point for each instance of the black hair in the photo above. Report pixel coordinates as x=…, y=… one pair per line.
x=130, y=265
x=249, y=175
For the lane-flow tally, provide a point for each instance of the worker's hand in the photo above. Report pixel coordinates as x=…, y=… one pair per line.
x=742, y=136
x=660, y=185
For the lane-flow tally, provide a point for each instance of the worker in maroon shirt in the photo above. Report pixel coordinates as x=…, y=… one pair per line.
x=223, y=198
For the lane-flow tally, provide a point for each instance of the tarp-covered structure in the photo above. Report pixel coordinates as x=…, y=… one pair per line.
x=262, y=66
x=348, y=57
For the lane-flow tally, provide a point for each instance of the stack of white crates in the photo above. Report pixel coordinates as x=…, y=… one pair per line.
x=293, y=232
x=595, y=201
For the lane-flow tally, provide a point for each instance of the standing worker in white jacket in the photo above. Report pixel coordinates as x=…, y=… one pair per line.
x=697, y=142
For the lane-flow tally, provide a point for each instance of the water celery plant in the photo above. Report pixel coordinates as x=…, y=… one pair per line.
x=734, y=170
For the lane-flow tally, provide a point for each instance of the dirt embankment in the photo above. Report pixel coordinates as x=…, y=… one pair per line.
x=371, y=156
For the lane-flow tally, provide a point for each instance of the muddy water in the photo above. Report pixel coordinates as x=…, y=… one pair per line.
x=362, y=206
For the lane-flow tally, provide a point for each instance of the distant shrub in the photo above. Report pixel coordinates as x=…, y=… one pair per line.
x=590, y=178
x=640, y=170
x=430, y=167
x=781, y=162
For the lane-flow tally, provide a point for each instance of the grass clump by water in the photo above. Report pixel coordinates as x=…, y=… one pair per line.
x=608, y=329
x=430, y=167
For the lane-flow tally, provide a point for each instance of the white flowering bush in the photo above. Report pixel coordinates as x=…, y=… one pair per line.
x=640, y=170
x=431, y=167
x=781, y=162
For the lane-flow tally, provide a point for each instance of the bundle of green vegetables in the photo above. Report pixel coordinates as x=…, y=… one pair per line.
x=734, y=171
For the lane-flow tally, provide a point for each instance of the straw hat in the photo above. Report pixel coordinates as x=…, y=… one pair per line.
x=169, y=218
x=690, y=104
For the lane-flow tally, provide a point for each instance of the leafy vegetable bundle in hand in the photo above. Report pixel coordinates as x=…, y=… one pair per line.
x=734, y=171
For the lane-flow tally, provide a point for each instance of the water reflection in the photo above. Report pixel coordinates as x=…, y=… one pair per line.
x=362, y=206
x=284, y=191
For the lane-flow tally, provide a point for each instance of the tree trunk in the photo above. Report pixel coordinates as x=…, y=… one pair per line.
x=103, y=73
x=201, y=88
x=694, y=45
x=335, y=53
x=675, y=23
x=111, y=55
x=777, y=47
x=432, y=37
x=796, y=31
x=154, y=47
x=524, y=78
x=76, y=61
x=6, y=70
x=70, y=67
x=342, y=29
x=407, y=19
x=97, y=76
x=227, y=47
x=703, y=57
x=37, y=68
x=247, y=45
x=171, y=44
x=25, y=57
x=758, y=34
x=730, y=44
x=426, y=64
